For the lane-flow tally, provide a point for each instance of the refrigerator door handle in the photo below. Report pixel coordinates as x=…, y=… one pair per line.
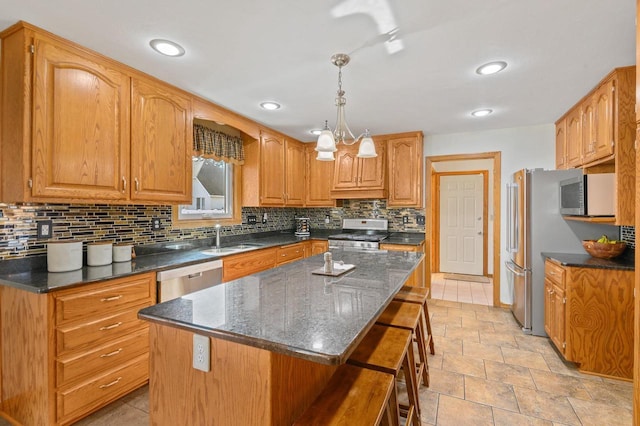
x=510, y=268
x=509, y=215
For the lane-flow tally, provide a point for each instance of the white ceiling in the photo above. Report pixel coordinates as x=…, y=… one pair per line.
x=243, y=52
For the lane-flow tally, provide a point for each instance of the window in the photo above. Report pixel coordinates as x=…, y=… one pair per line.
x=212, y=191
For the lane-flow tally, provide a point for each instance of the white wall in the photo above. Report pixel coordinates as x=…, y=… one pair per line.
x=520, y=147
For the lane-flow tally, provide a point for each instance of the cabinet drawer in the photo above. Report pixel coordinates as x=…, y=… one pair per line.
x=244, y=264
x=97, y=332
x=290, y=253
x=72, y=403
x=71, y=369
x=555, y=273
x=399, y=247
x=103, y=298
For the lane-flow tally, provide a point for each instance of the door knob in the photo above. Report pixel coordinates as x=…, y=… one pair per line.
x=479, y=232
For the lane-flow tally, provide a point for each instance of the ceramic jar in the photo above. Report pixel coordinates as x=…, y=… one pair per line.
x=99, y=254
x=64, y=255
x=122, y=252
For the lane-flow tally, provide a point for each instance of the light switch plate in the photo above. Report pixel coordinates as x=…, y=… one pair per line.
x=252, y=219
x=420, y=219
x=201, y=353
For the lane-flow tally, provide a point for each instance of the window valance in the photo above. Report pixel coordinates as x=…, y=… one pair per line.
x=209, y=143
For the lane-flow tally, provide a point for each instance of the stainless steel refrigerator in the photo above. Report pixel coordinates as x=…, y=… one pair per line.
x=535, y=225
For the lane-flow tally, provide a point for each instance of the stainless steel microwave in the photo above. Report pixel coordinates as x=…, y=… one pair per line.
x=588, y=195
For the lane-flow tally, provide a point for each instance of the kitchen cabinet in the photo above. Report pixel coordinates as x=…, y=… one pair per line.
x=243, y=264
x=355, y=177
x=591, y=318
x=319, y=180
x=319, y=247
x=417, y=278
x=405, y=170
x=81, y=348
x=600, y=137
x=67, y=127
x=561, y=144
x=290, y=253
x=273, y=172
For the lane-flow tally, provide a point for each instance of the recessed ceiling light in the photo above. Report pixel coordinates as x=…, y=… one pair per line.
x=315, y=131
x=491, y=68
x=270, y=105
x=166, y=47
x=481, y=112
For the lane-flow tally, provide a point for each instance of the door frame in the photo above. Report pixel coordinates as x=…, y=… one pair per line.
x=485, y=212
x=497, y=183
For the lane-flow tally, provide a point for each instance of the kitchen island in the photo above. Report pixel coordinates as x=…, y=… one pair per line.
x=275, y=338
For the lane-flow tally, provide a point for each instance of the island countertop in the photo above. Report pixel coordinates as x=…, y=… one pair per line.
x=291, y=311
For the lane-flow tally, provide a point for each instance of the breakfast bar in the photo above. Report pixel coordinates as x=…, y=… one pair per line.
x=275, y=338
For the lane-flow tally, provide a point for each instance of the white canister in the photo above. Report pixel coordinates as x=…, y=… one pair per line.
x=63, y=256
x=99, y=254
x=122, y=252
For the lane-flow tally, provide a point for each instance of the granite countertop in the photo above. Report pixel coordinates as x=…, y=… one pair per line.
x=31, y=274
x=292, y=311
x=405, y=238
x=624, y=262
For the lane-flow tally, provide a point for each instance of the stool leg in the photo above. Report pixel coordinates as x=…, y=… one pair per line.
x=422, y=353
x=425, y=310
x=394, y=409
x=408, y=365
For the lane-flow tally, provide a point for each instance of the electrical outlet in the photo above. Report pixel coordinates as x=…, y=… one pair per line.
x=201, y=353
x=264, y=217
x=405, y=219
x=327, y=219
x=155, y=224
x=420, y=219
x=252, y=220
x=45, y=229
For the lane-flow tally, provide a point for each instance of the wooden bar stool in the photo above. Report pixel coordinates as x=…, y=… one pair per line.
x=410, y=317
x=387, y=349
x=353, y=395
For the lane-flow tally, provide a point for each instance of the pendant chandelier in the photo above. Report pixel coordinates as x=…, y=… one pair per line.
x=327, y=140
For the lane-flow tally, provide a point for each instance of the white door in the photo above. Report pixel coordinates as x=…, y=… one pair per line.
x=461, y=224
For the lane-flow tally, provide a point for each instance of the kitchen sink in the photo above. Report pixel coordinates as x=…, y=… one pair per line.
x=232, y=249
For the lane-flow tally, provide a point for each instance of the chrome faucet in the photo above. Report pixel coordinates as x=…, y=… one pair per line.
x=217, y=235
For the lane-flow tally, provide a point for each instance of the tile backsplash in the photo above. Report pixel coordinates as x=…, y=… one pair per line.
x=132, y=223
x=628, y=235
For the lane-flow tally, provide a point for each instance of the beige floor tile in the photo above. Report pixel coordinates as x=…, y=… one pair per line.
x=506, y=373
x=491, y=393
x=428, y=406
x=447, y=303
x=524, y=358
x=558, y=365
x=464, y=334
x=117, y=413
x=498, y=339
x=555, y=408
x=475, y=307
x=456, y=412
x=437, y=328
x=435, y=361
x=446, y=345
x=559, y=384
x=535, y=344
x=480, y=350
x=446, y=320
x=462, y=313
x=508, y=418
x=478, y=324
x=618, y=393
x=496, y=315
x=446, y=382
x=464, y=365
x=593, y=413
x=139, y=399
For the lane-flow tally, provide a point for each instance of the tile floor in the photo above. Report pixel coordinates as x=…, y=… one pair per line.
x=461, y=291
x=484, y=372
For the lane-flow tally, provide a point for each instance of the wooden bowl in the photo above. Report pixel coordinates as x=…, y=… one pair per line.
x=604, y=250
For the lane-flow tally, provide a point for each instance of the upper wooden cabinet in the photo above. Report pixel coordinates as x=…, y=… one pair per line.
x=319, y=180
x=161, y=143
x=600, y=135
x=273, y=171
x=405, y=170
x=67, y=127
x=355, y=177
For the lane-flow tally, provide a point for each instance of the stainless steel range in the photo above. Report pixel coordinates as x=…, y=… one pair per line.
x=360, y=234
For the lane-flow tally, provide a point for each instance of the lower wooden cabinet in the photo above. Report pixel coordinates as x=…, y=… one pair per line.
x=589, y=317
x=319, y=247
x=417, y=279
x=81, y=347
x=290, y=253
x=243, y=264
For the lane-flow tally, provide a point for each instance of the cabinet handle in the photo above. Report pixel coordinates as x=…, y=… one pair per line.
x=111, y=353
x=108, y=385
x=551, y=291
x=109, y=327
x=111, y=299
x=124, y=184
x=135, y=180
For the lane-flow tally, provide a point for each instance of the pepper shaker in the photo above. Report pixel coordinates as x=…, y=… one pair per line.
x=328, y=263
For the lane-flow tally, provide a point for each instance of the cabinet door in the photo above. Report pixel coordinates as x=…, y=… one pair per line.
x=372, y=171
x=319, y=247
x=405, y=172
x=345, y=173
x=318, y=181
x=588, y=131
x=80, y=125
x=574, y=138
x=272, y=170
x=603, y=103
x=548, y=307
x=161, y=143
x=561, y=145
x=559, y=319
x=294, y=173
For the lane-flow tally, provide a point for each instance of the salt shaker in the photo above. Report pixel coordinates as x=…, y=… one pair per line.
x=328, y=263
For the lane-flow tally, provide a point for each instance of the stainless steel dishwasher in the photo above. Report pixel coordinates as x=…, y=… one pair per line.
x=177, y=282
